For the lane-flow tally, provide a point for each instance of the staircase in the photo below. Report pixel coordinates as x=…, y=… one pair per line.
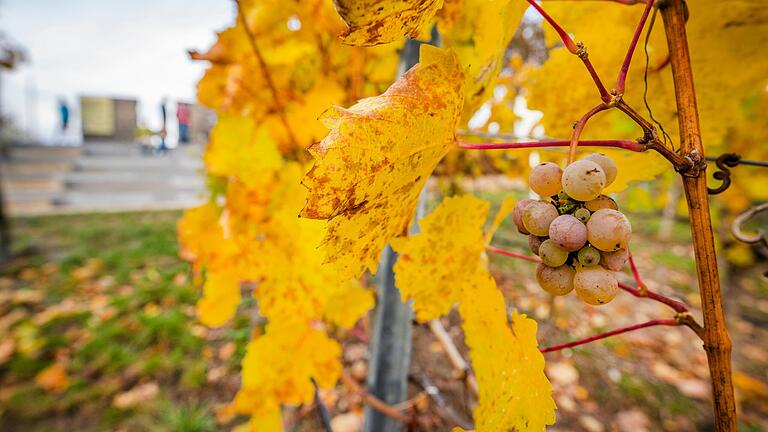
x=99, y=176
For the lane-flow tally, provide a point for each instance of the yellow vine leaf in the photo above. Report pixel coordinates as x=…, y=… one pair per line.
x=634, y=167
x=238, y=148
x=373, y=163
x=479, y=32
x=514, y=393
x=504, y=210
x=221, y=295
x=280, y=252
x=374, y=22
x=433, y=265
x=202, y=239
x=348, y=303
x=279, y=365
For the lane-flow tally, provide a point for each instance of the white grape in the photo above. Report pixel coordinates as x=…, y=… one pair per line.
x=537, y=216
x=555, y=280
x=607, y=164
x=583, y=180
x=582, y=214
x=534, y=242
x=551, y=254
x=517, y=214
x=614, y=260
x=608, y=230
x=601, y=202
x=568, y=232
x=595, y=285
x=589, y=256
x=545, y=179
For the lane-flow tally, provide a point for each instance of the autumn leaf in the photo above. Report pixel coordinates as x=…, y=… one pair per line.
x=278, y=367
x=238, y=148
x=479, y=32
x=514, y=393
x=504, y=210
x=53, y=378
x=433, y=266
x=373, y=22
x=202, y=239
x=370, y=168
x=221, y=295
x=140, y=394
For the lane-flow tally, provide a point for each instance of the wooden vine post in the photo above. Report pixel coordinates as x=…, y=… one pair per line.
x=717, y=343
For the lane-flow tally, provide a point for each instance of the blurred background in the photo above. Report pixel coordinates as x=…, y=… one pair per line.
x=101, y=142
x=83, y=96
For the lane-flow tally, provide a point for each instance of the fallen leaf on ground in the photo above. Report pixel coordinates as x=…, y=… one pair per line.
x=139, y=394
x=53, y=378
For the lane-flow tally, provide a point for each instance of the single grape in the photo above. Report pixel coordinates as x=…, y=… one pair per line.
x=517, y=214
x=555, y=280
x=534, y=242
x=607, y=164
x=608, y=230
x=601, y=202
x=537, y=217
x=551, y=254
x=583, y=180
x=614, y=260
x=545, y=179
x=562, y=196
x=582, y=214
x=595, y=285
x=589, y=256
x=568, y=232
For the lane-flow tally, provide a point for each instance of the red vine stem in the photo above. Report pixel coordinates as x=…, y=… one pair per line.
x=574, y=48
x=566, y=38
x=622, y=78
x=651, y=323
x=635, y=273
x=579, y=127
x=644, y=292
x=513, y=254
x=622, y=144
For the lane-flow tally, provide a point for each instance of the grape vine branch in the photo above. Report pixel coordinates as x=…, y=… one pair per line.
x=690, y=164
x=717, y=343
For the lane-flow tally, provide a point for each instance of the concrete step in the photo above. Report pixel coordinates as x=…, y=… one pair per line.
x=113, y=200
x=112, y=149
x=19, y=195
x=140, y=164
x=29, y=207
x=33, y=183
x=43, y=153
x=34, y=167
x=135, y=187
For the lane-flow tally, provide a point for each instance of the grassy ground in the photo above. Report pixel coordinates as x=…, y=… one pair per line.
x=98, y=332
x=98, y=319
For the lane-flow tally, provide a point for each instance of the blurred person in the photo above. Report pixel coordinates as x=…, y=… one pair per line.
x=182, y=116
x=163, y=149
x=63, y=114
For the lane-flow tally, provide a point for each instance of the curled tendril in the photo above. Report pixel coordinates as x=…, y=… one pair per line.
x=750, y=238
x=725, y=161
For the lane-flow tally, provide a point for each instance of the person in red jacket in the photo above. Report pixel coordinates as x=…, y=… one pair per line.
x=182, y=115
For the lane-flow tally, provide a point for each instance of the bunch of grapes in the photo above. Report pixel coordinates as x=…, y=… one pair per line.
x=578, y=233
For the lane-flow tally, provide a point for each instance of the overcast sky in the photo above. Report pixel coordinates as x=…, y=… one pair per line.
x=134, y=48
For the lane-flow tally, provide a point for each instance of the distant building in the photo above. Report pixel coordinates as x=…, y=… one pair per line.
x=108, y=119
